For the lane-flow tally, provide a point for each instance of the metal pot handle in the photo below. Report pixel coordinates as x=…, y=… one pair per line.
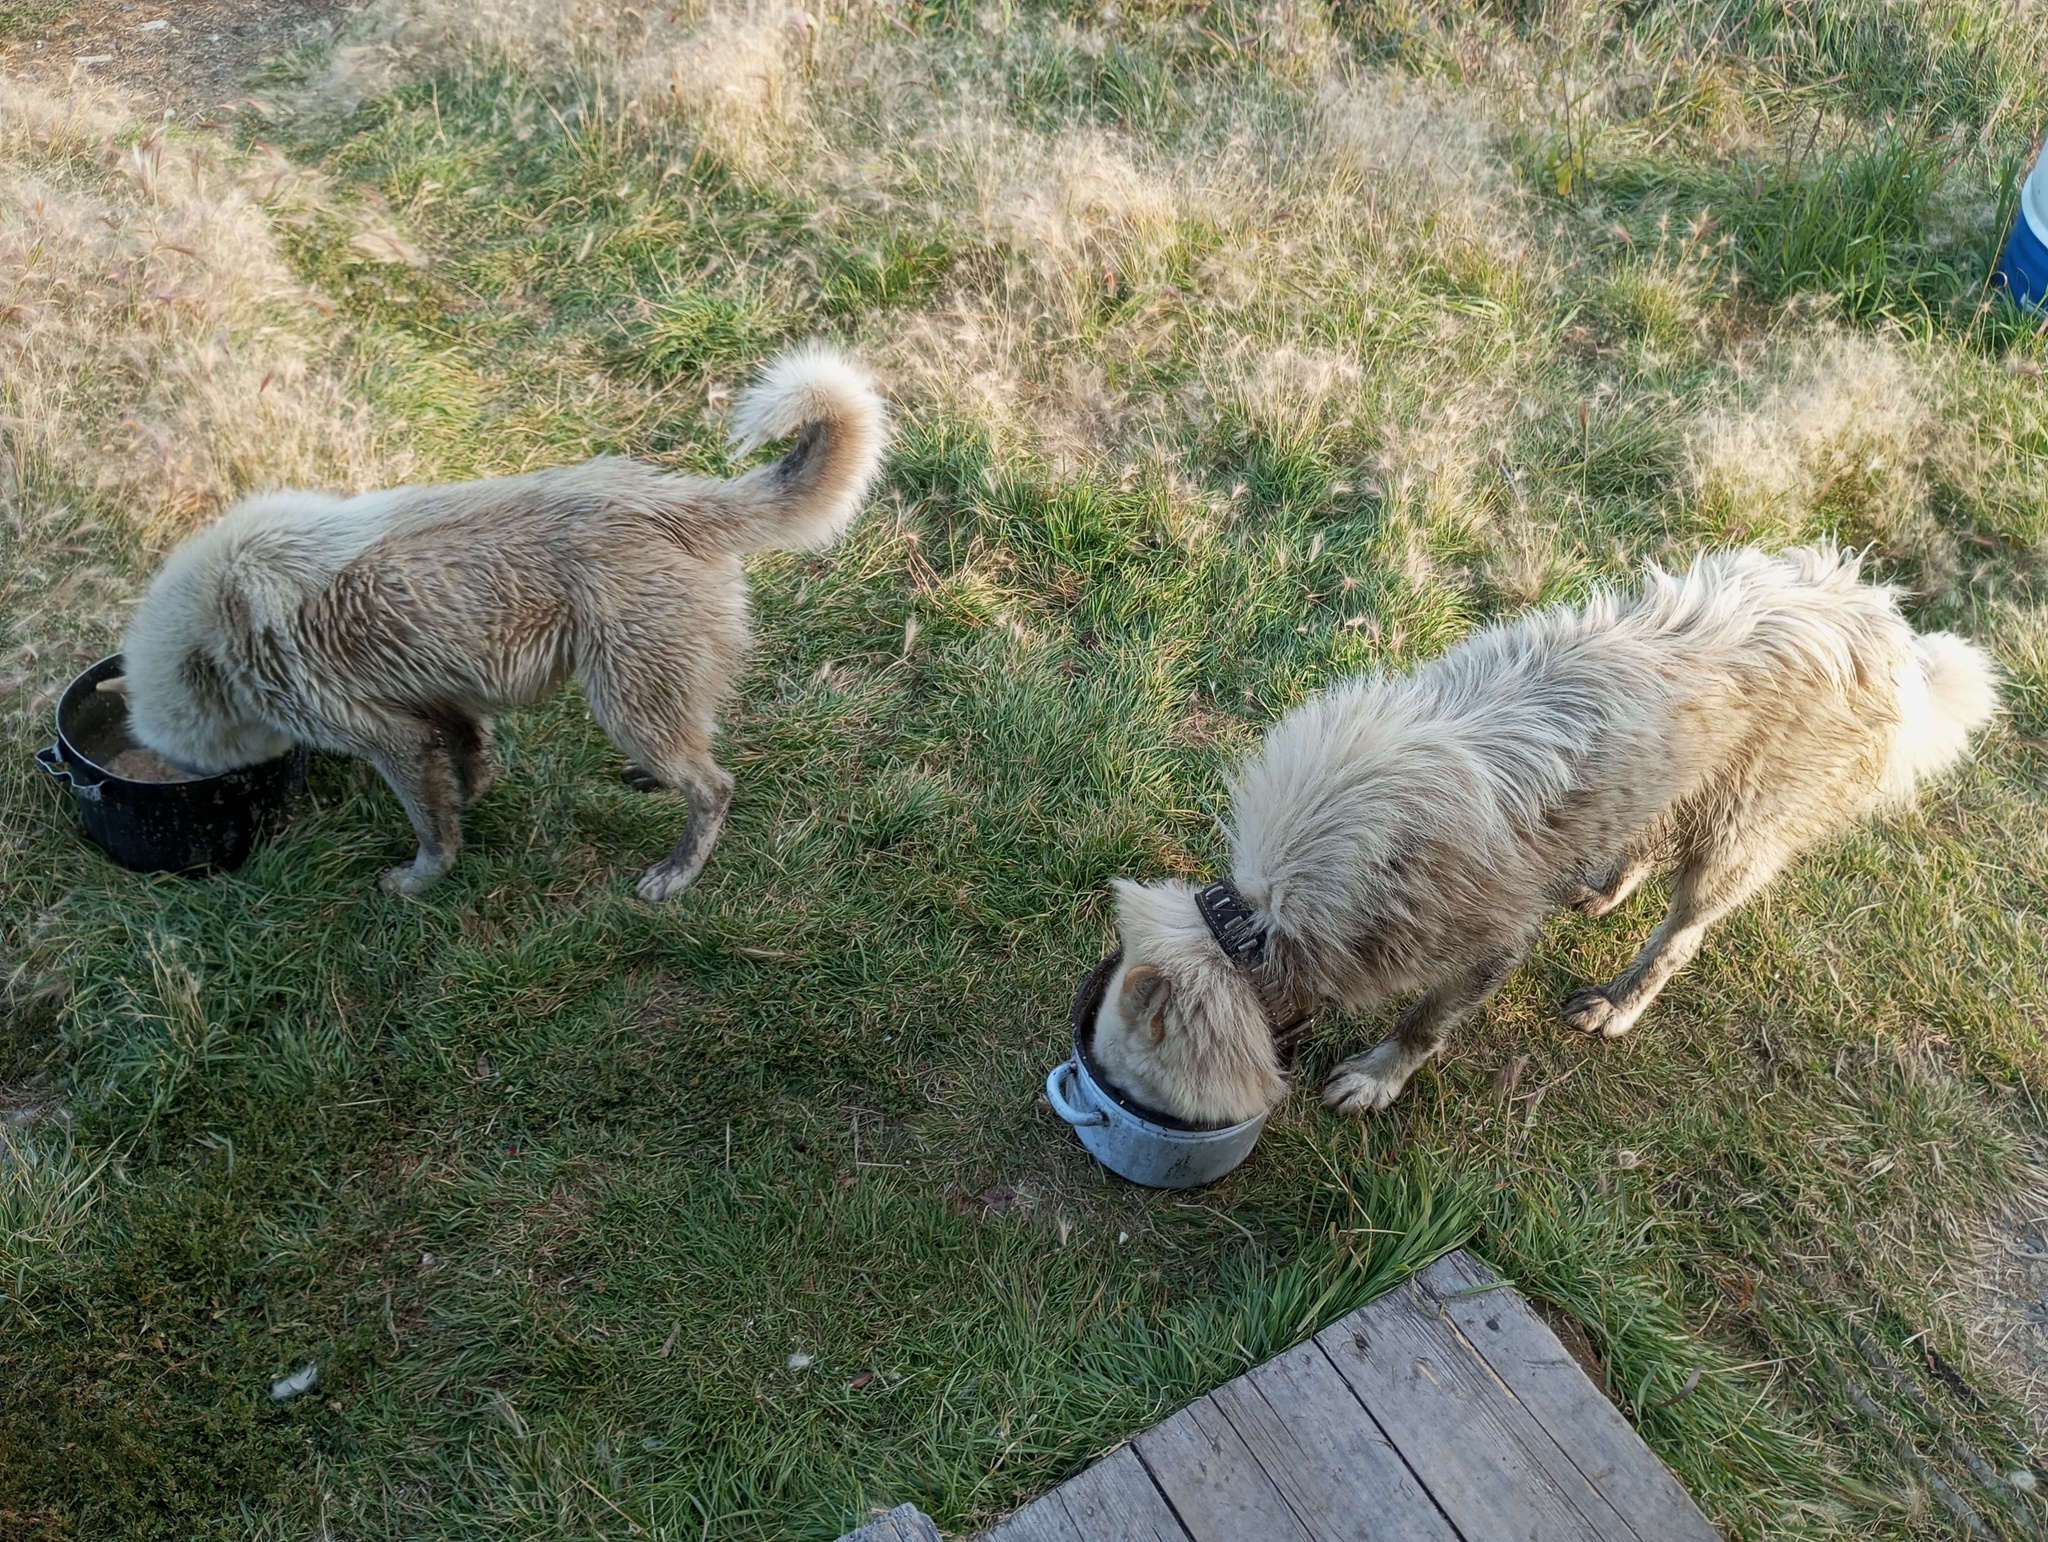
x=1055, y=1094
x=53, y=762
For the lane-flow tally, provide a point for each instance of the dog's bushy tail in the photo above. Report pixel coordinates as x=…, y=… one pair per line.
x=1947, y=691
x=810, y=495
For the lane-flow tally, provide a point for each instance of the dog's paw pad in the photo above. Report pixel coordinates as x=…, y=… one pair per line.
x=639, y=778
x=1593, y=1011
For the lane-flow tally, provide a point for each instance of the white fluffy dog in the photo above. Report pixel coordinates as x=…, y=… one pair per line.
x=1411, y=833
x=392, y=625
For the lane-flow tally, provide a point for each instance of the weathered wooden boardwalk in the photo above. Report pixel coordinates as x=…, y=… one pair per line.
x=1443, y=1412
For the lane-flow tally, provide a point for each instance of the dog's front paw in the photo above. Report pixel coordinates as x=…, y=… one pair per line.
x=664, y=879
x=1593, y=1011
x=1367, y=1083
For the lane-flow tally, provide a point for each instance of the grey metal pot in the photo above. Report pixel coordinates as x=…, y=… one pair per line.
x=1143, y=1144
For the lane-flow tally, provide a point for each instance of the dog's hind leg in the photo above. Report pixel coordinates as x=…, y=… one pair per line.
x=1709, y=884
x=1369, y=1082
x=654, y=682
x=469, y=747
x=415, y=756
x=708, y=787
x=667, y=746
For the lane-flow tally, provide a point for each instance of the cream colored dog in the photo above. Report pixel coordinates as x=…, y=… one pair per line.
x=1405, y=834
x=393, y=624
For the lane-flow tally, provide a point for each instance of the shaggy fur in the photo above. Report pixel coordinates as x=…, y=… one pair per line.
x=393, y=624
x=1405, y=834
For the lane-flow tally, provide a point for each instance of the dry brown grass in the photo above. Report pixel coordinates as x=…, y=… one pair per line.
x=1849, y=419
x=159, y=347
x=159, y=359
x=732, y=73
x=1286, y=214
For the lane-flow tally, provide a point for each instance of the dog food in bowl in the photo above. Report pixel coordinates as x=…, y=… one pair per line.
x=1145, y=1145
x=140, y=765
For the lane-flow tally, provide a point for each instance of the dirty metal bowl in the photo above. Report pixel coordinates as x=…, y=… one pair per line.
x=1145, y=1145
x=207, y=824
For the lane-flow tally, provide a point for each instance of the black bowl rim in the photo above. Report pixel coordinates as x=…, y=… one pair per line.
x=88, y=679
x=1087, y=1002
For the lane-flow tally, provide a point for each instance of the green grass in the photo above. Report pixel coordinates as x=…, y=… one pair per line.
x=552, y=1186
x=28, y=18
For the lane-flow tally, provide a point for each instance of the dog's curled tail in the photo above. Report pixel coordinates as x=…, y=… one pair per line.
x=810, y=495
x=1948, y=690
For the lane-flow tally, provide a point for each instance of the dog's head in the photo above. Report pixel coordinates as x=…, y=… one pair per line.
x=191, y=695
x=1180, y=1027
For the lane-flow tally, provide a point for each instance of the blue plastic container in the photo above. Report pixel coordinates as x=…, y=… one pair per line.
x=2024, y=267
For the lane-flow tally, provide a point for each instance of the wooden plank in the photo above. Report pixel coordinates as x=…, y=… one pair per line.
x=1043, y=1520
x=1113, y=1501
x=1482, y=1456
x=1526, y=1355
x=1218, y=1490
x=1117, y=1501
x=1313, y=1439
x=905, y=1523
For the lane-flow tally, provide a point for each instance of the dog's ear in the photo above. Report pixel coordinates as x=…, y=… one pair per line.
x=1144, y=998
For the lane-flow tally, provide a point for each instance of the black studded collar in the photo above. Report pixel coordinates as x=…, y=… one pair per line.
x=1234, y=925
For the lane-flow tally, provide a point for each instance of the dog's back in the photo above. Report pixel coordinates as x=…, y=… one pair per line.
x=394, y=625
x=1444, y=812
x=1411, y=834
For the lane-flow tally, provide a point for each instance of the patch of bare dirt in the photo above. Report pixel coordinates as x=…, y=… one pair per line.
x=1571, y=1333
x=2005, y=1299
x=188, y=59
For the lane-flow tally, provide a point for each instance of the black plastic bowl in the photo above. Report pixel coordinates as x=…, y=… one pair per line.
x=209, y=824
